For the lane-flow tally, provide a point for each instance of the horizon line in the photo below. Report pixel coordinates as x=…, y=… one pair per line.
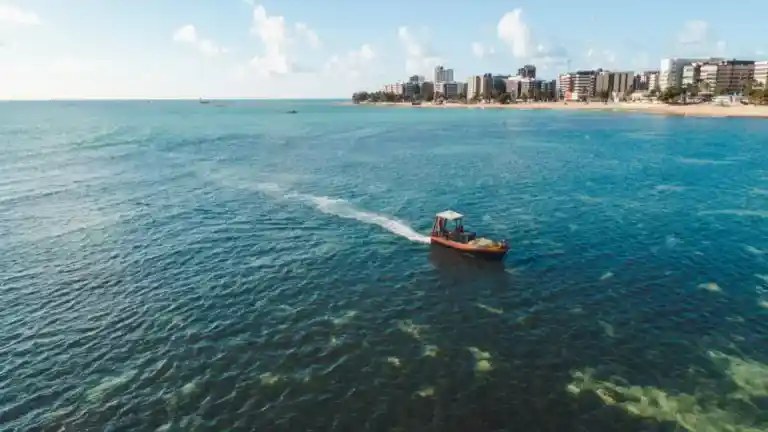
x=140, y=99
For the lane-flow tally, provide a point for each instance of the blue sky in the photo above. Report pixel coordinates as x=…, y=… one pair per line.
x=292, y=48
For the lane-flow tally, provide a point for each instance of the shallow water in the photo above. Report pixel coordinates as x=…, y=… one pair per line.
x=178, y=266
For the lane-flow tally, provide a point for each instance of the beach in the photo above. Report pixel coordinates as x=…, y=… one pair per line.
x=694, y=110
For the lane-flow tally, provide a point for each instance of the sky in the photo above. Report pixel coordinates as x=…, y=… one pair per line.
x=59, y=49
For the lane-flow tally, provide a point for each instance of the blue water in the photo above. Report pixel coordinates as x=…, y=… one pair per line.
x=179, y=266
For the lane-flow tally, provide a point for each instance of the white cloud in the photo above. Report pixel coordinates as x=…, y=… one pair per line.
x=277, y=41
x=188, y=35
x=353, y=64
x=310, y=35
x=514, y=33
x=13, y=14
x=481, y=51
x=418, y=58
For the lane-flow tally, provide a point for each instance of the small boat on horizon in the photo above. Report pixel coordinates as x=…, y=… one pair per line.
x=203, y=101
x=464, y=241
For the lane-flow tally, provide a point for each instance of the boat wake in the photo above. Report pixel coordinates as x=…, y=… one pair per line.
x=344, y=209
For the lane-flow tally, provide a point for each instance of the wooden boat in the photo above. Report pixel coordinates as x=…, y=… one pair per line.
x=456, y=238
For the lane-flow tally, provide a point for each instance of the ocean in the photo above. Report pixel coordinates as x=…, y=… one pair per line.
x=177, y=266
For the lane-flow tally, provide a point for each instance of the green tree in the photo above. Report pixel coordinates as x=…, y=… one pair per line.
x=504, y=98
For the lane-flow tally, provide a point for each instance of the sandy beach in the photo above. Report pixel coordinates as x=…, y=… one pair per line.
x=699, y=110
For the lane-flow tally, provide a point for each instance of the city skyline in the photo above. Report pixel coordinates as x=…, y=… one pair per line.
x=271, y=49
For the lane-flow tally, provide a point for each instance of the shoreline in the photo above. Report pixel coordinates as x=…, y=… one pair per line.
x=695, y=110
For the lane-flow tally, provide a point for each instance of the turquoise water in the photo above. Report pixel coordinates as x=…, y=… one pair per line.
x=179, y=266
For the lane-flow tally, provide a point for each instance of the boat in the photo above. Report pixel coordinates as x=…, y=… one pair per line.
x=292, y=112
x=455, y=237
x=203, y=101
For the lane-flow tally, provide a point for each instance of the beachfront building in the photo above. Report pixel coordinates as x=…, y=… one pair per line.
x=486, y=86
x=529, y=87
x=564, y=86
x=442, y=74
x=584, y=83
x=734, y=76
x=474, y=85
x=653, y=81
x=427, y=89
x=691, y=74
x=396, y=88
x=549, y=90
x=527, y=71
x=761, y=73
x=671, y=71
x=449, y=90
x=622, y=82
x=708, y=77
x=512, y=86
x=614, y=84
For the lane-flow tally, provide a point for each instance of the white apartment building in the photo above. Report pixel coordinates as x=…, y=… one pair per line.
x=671, y=71
x=761, y=73
x=583, y=83
x=708, y=77
x=653, y=81
x=396, y=88
x=442, y=74
x=564, y=85
x=486, y=86
x=691, y=74
x=474, y=84
x=512, y=86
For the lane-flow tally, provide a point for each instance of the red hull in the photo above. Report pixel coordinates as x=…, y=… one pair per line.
x=484, y=252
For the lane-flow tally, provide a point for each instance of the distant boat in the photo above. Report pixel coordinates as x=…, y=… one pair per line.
x=203, y=101
x=292, y=112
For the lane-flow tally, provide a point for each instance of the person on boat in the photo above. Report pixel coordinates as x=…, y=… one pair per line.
x=441, y=226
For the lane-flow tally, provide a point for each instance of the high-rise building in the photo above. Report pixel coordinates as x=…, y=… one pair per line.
x=732, y=76
x=653, y=80
x=449, y=90
x=691, y=74
x=564, y=86
x=474, y=85
x=527, y=71
x=442, y=74
x=427, y=89
x=549, y=90
x=396, y=88
x=622, y=82
x=671, y=71
x=486, y=86
x=761, y=73
x=583, y=83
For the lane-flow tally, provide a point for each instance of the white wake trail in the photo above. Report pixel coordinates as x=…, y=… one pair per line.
x=342, y=208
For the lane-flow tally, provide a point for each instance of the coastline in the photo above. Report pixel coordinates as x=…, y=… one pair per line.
x=698, y=110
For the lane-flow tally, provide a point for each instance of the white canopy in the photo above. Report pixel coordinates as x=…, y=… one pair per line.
x=450, y=215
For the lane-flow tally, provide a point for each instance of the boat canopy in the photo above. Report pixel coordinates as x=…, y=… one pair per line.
x=449, y=215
